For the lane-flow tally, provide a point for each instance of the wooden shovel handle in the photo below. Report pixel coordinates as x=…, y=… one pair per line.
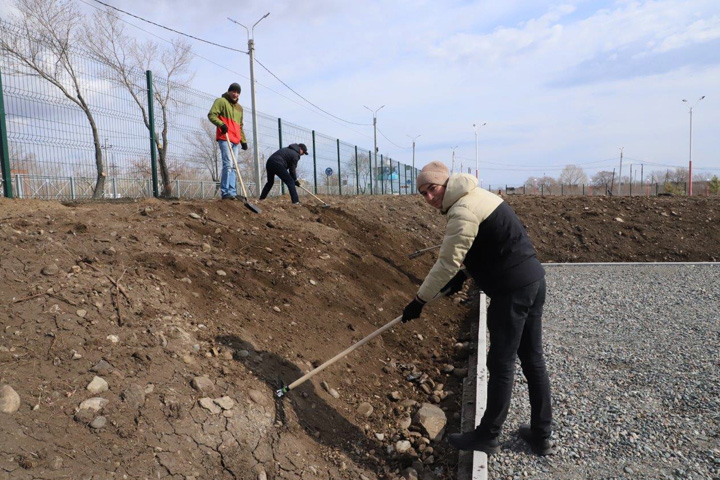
x=344, y=352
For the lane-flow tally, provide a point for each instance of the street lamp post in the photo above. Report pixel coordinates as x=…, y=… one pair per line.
x=452, y=169
x=690, y=190
x=412, y=177
x=251, y=51
x=374, y=112
x=476, y=148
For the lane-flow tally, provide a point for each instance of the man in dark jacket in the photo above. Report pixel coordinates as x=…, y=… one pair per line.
x=485, y=235
x=283, y=163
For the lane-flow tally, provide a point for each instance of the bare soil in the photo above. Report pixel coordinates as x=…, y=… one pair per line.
x=167, y=291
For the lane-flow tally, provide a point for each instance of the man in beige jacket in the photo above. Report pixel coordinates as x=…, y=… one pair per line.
x=485, y=235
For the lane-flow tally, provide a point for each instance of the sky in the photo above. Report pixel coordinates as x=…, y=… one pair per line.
x=554, y=83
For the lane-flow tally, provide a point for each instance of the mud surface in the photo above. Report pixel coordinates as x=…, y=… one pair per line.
x=194, y=313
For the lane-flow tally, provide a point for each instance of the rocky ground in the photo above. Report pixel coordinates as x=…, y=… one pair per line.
x=145, y=339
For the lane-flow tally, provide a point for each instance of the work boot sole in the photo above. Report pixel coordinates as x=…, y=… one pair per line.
x=541, y=446
x=465, y=441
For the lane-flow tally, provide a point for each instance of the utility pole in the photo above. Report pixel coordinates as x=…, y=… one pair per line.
x=374, y=112
x=620, y=172
x=251, y=52
x=452, y=170
x=412, y=177
x=476, y=148
x=690, y=185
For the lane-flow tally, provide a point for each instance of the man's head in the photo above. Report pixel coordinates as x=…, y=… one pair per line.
x=303, y=149
x=431, y=183
x=234, y=91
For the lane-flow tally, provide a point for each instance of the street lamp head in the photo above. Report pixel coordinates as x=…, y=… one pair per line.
x=684, y=100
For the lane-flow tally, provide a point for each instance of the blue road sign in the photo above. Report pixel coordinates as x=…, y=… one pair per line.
x=328, y=171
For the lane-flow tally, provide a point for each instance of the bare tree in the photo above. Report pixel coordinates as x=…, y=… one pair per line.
x=603, y=179
x=127, y=58
x=48, y=31
x=572, y=175
x=205, y=150
x=362, y=170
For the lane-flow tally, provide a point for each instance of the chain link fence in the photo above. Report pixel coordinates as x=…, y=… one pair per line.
x=65, y=146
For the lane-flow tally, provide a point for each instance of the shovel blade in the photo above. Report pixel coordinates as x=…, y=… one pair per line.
x=252, y=208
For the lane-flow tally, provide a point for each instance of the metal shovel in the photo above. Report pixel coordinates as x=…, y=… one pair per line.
x=249, y=205
x=420, y=252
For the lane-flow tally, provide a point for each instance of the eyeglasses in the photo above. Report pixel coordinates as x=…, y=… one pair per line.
x=431, y=189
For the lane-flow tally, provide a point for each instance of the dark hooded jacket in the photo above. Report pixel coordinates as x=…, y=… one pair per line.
x=287, y=157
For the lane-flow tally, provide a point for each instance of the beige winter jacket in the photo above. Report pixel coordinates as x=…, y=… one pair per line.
x=466, y=206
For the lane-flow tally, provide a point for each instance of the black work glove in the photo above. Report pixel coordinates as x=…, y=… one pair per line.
x=297, y=183
x=412, y=310
x=243, y=145
x=223, y=128
x=455, y=284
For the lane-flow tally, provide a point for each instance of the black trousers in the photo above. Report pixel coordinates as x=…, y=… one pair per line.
x=515, y=326
x=282, y=172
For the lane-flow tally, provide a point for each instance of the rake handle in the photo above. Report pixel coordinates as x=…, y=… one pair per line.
x=340, y=355
x=308, y=191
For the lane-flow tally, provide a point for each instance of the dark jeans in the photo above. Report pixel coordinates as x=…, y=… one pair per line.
x=282, y=172
x=515, y=325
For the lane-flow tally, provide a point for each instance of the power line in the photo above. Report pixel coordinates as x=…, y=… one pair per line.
x=398, y=146
x=308, y=101
x=170, y=29
x=212, y=62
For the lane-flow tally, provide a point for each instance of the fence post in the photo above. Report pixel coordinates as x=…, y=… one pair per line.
x=561, y=190
x=282, y=184
x=314, y=163
x=339, y=174
x=4, y=150
x=153, y=150
x=370, y=170
x=72, y=188
x=357, y=174
x=382, y=179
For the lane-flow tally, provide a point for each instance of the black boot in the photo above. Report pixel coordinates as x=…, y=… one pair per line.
x=541, y=446
x=474, y=441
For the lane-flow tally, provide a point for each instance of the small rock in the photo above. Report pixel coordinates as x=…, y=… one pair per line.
x=410, y=474
x=84, y=416
x=134, y=396
x=113, y=338
x=277, y=309
x=258, y=397
x=95, y=404
x=97, y=385
x=313, y=282
x=81, y=313
x=9, y=399
x=98, y=423
x=206, y=247
x=202, y=384
x=432, y=419
x=195, y=216
x=226, y=403
x=50, y=269
x=618, y=219
x=380, y=436
x=221, y=273
x=334, y=393
x=208, y=404
x=395, y=396
x=364, y=409
x=402, y=446
x=102, y=367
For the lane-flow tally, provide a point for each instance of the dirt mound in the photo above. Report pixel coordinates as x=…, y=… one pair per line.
x=192, y=313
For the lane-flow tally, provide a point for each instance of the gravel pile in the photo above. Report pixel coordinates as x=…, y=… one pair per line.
x=634, y=360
